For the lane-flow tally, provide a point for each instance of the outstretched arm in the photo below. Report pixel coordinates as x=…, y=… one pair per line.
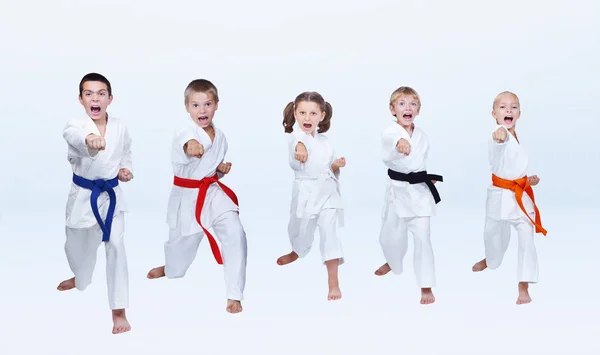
x=78, y=138
x=395, y=145
x=298, y=152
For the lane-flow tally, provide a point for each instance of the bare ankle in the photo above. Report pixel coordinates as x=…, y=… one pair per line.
x=118, y=312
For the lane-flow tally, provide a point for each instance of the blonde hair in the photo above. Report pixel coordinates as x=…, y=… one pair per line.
x=203, y=86
x=404, y=90
x=504, y=93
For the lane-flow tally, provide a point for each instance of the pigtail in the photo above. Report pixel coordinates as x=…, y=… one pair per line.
x=288, y=117
x=326, y=123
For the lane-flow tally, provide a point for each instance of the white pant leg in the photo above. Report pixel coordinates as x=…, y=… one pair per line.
x=527, y=269
x=496, y=237
x=180, y=252
x=330, y=243
x=81, y=248
x=423, y=258
x=117, y=272
x=393, y=238
x=232, y=237
x=301, y=241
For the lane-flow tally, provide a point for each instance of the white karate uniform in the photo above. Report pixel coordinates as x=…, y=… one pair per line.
x=407, y=207
x=82, y=230
x=316, y=199
x=219, y=212
x=509, y=160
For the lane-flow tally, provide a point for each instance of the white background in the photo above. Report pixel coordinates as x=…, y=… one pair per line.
x=458, y=55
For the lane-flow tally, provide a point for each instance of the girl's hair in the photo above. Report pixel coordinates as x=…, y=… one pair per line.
x=288, y=112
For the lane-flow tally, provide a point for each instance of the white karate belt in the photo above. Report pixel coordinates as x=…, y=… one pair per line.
x=312, y=208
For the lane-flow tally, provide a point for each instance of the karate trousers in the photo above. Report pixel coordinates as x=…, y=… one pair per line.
x=496, y=237
x=81, y=248
x=393, y=238
x=181, y=250
x=330, y=243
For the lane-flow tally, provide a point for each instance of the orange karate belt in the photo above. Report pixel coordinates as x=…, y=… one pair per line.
x=203, y=185
x=519, y=186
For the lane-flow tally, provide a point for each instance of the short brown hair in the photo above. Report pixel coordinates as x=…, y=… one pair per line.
x=201, y=85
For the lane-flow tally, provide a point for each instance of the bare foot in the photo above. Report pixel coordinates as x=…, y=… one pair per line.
x=120, y=323
x=383, y=269
x=480, y=266
x=156, y=273
x=524, y=297
x=234, y=306
x=333, y=280
x=427, y=296
x=287, y=258
x=334, y=292
x=66, y=285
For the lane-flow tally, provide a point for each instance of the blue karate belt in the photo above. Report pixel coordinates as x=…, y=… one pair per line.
x=99, y=186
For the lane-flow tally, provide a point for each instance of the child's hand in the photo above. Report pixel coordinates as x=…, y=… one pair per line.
x=533, y=180
x=95, y=142
x=194, y=148
x=500, y=135
x=125, y=175
x=403, y=146
x=301, y=153
x=224, y=168
x=339, y=163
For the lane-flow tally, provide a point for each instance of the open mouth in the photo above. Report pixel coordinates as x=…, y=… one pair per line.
x=95, y=109
x=407, y=116
x=203, y=119
x=307, y=125
x=508, y=119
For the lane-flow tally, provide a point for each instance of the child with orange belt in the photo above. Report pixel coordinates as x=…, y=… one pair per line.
x=510, y=199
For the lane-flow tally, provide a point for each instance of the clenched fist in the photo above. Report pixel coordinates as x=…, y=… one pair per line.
x=224, y=168
x=533, y=180
x=193, y=148
x=125, y=175
x=95, y=142
x=339, y=163
x=301, y=153
x=500, y=135
x=403, y=146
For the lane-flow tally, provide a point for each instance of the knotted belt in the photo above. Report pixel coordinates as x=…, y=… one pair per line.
x=99, y=186
x=519, y=186
x=203, y=185
x=417, y=178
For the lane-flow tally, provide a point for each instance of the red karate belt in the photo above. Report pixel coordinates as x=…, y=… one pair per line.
x=519, y=186
x=203, y=185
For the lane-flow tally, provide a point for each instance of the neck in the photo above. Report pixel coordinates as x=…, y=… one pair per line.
x=101, y=122
x=410, y=128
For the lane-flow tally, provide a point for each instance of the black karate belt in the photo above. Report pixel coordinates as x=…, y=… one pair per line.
x=417, y=178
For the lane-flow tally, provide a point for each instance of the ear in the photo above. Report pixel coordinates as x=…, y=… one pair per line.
x=323, y=114
x=80, y=99
x=392, y=110
x=216, y=106
x=110, y=98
